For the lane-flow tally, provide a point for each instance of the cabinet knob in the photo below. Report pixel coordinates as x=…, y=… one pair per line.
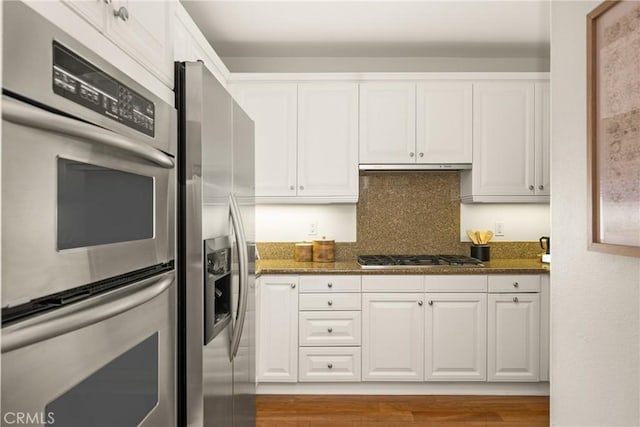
x=516, y=284
x=293, y=286
x=330, y=330
x=420, y=154
x=420, y=303
x=541, y=187
x=121, y=13
x=302, y=187
x=330, y=302
x=330, y=365
x=292, y=187
x=330, y=285
x=107, y=1
x=531, y=187
x=430, y=302
x=411, y=154
x=515, y=299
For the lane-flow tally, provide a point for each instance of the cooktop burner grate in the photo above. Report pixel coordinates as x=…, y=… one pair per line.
x=389, y=261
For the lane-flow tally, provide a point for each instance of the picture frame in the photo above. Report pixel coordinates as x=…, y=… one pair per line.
x=613, y=127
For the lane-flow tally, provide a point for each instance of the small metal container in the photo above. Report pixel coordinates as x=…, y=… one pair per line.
x=481, y=252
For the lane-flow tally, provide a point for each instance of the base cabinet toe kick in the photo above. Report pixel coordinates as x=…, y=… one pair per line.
x=404, y=334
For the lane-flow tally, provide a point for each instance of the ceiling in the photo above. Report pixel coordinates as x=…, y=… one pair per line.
x=302, y=28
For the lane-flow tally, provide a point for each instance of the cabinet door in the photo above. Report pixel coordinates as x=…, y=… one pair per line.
x=93, y=11
x=277, y=328
x=444, y=122
x=146, y=34
x=328, y=139
x=392, y=337
x=503, y=139
x=543, y=139
x=387, y=123
x=456, y=337
x=273, y=109
x=513, y=337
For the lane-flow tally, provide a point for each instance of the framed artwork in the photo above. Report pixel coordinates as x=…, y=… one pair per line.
x=613, y=127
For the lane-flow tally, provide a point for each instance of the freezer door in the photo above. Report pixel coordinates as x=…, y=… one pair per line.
x=218, y=381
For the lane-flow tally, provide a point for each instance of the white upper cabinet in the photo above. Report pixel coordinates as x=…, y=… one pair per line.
x=273, y=108
x=416, y=124
x=306, y=140
x=510, y=143
x=142, y=29
x=387, y=122
x=444, y=125
x=328, y=139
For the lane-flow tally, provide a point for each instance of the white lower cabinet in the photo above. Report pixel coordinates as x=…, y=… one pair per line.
x=277, y=325
x=513, y=338
x=330, y=364
x=456, y=337
x=393, y=337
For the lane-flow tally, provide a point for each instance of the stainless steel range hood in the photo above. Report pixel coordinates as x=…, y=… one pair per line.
x=413, y=166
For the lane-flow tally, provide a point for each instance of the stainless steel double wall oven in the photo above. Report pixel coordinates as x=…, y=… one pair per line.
x=88, y=246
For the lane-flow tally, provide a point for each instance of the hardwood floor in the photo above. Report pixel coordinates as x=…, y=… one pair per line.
x=400, y=411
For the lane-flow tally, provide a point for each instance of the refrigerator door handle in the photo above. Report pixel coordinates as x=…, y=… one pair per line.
x=243, y=265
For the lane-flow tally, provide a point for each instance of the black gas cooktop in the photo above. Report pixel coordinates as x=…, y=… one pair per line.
x=395, y=261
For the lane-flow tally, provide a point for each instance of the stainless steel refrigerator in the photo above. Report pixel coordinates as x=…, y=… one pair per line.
x=216, y=307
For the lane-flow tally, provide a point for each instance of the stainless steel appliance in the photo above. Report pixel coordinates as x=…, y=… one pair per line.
x=215, y=245
x=88, y=211
x=395, y=261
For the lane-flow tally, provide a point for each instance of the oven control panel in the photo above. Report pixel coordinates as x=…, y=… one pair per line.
x=85, y=84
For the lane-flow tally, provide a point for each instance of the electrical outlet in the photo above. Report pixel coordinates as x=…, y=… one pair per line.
x=313, y=228
x=499, y=228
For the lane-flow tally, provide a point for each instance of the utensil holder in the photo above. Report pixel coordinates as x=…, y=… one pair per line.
x=481, y=252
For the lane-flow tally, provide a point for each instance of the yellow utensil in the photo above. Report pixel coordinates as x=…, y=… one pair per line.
x=472, y=236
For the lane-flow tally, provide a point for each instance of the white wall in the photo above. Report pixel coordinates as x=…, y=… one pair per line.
x=595, y=302
x=522, y=222
x=377, y=64
x=290, y=223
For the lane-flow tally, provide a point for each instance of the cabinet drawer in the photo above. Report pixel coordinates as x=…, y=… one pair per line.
x=458, y=283
x=325, y=328
x=514, y=283
x=392, y=283
x=329, y=284
x=329, y=302
x=329, y=364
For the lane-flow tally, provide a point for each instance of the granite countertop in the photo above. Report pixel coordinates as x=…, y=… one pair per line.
x=498, y=266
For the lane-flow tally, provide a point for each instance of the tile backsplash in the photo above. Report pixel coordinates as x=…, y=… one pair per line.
x=400, y=212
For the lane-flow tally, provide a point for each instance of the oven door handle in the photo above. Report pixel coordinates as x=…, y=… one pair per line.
x=243, y=266
x=81, y=314
x=27, y=115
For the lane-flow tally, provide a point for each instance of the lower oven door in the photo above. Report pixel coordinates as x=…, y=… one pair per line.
x=104, y=362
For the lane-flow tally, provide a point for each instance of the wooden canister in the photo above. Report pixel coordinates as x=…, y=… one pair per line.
x=303, y=252
x=324, y=250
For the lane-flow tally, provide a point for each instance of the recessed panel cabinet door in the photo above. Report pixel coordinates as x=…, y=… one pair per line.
x=444, y=123
x=277, y=329
x=513, y=337
x=503, y=139
x=273, y=108
x=146, y=33
x=387, y=123
x=327, y=139
x=392, y=337
x=456, y=337
x=543, y=139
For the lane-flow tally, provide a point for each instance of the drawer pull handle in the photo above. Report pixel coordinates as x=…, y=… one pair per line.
x=293, y=286
x=330, y=366
x=420, y=303
x=330, y=285
x=516, y=284
x=515, y=299
x=430, y=302
x=330, y=330
x=330, y=302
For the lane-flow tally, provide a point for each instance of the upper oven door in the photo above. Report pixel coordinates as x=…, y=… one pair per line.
x=79, y=203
